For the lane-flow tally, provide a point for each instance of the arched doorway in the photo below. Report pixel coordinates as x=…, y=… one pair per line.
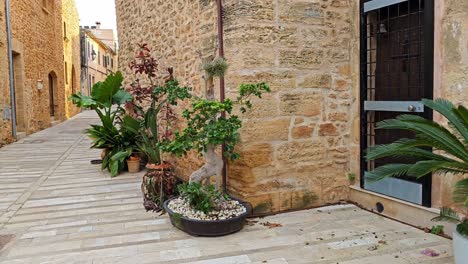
x=52, y=85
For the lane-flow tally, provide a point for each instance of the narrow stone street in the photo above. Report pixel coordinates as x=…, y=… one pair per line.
x=61, y=209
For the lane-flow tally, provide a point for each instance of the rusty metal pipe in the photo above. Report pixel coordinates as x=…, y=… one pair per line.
x=222, y=93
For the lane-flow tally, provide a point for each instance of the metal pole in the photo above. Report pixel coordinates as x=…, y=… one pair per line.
x=11, y=70
x=221, y=82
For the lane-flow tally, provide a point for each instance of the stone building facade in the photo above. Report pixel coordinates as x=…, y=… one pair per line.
x=98, y=59
x=71, y=51
x=45, y=41
x=5, y=123
x=301, y=142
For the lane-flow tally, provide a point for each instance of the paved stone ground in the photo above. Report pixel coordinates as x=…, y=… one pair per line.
x=62, y=209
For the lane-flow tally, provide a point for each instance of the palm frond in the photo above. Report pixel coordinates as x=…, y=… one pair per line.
x=385, y=171
x=424, y=167
x=447, y=215
x=460, y=192
x=404, y=148
x=427, y=129
x=448, y=110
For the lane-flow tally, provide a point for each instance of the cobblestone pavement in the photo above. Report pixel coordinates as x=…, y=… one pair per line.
x=61, y=209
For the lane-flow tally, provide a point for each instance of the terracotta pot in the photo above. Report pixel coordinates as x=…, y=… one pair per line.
x=133, y=165
x=103, y=153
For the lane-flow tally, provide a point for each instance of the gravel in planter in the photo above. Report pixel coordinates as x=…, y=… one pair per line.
x=230, y=209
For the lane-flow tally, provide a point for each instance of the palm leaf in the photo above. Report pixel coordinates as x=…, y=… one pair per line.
x=423, y=168
x=447, y=215
x=460, y=193
x=389, y=170
x=448, y=110
x=404, y=148
x=427, y=129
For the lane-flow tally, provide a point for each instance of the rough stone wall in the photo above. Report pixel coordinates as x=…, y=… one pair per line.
x=71, y=45
x=177, y=32
x=451, y=79
x=297, y=140
x=5, y=125
x=39, y=43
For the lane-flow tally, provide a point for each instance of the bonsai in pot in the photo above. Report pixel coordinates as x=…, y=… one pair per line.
x=449, y=155
x=201, y=209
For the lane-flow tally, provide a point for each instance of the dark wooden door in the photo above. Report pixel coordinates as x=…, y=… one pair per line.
x=396, y=73
x=51, y=95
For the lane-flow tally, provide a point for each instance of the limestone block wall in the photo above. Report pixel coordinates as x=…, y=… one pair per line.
x=5, y=125
x=297, y=142
x=38, y=46
x=71, y=46
x=178, y=32
x=450, y=74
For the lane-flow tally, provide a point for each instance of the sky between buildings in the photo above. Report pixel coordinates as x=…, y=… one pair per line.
x=103, y=11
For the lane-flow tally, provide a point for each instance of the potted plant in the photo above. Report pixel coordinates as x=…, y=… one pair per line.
x=201, y=209
x=153, y=104
x=449, y=155
x=133, y=163
x=460, y=235
x=118, y=133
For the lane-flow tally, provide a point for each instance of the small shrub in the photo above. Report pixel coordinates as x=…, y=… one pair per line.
x=437, y=230
x=202, y=198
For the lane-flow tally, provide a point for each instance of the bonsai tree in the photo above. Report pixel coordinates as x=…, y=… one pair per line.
x=449, y=152
x=211, y=123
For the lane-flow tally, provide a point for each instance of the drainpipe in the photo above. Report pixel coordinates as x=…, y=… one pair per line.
x=219, y=4
x=11, y=71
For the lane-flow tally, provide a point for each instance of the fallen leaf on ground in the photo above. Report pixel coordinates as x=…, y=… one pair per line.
x=430, y=252
x=250, y=222
x=271, y=225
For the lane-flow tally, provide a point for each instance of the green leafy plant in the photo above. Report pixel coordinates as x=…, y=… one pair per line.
x=116, y=135
x=208, y=128
x=437, y=229
x=202, y=198
x=164, y=97
x=153, y=104
x=449, y=152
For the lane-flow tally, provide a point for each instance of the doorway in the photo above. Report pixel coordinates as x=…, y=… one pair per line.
x=18, y=74
x=73, y=80
x=52, y=84
x=397, y=44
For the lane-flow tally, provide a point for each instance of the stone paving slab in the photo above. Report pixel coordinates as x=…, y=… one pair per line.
x=62, y=209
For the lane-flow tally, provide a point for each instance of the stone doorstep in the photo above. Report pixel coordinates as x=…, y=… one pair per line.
x=395, y=209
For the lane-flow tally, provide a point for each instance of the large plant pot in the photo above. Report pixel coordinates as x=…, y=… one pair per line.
x=460, y=248
x=208, y=228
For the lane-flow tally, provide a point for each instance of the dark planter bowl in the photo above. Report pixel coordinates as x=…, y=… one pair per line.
x=208, y=228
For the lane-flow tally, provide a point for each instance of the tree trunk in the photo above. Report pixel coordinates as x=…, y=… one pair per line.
x=212, y=167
